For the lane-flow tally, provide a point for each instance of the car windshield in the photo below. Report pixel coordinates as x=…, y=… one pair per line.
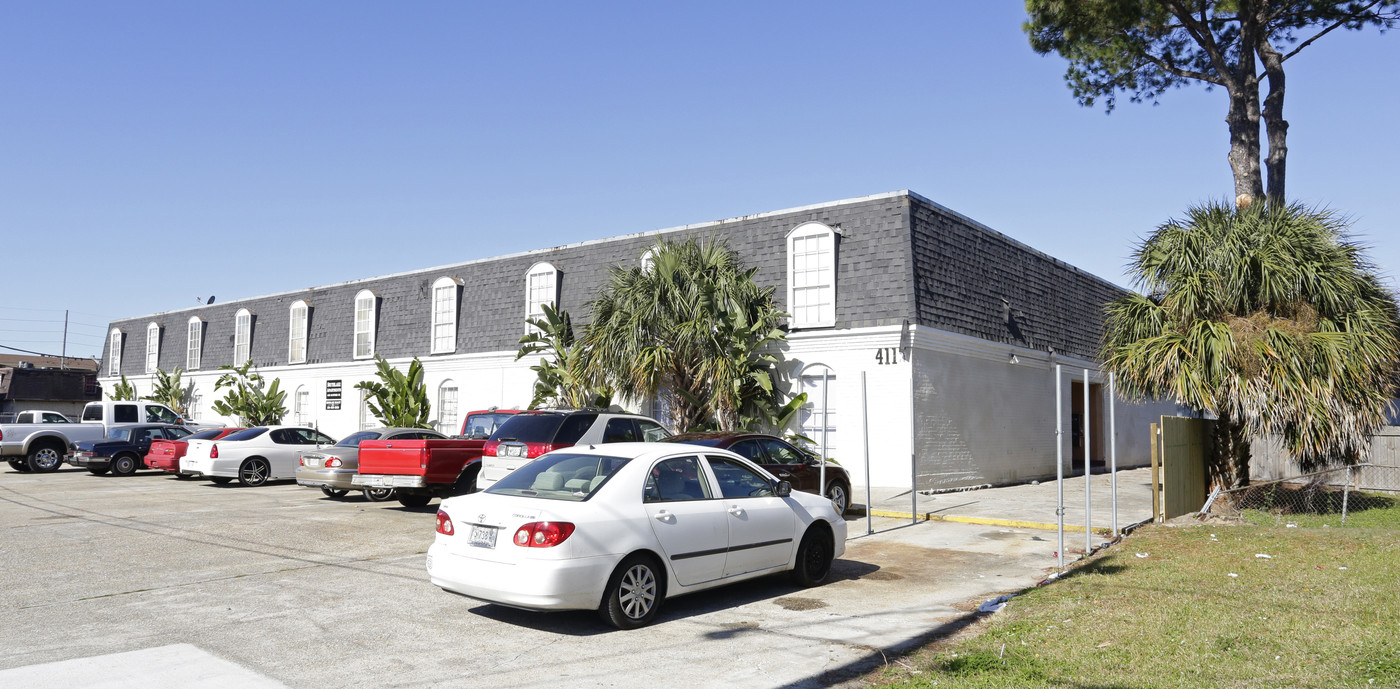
x=529, y=428
x=566, y=476
x=206, y=435
x=246, y=435
x=353, y=440
x=122, y=434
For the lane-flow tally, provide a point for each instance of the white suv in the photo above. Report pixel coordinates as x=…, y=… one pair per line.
x=530, y=434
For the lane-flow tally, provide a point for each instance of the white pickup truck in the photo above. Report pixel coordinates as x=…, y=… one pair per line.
x=40, y=446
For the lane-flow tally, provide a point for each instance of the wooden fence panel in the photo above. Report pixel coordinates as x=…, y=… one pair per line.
x=1185, y=445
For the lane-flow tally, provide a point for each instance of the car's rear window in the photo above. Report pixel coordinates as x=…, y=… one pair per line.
x=530, y=428
x=246, y=435
x=122, y=434
x=560, y=476
x=206, y=435
x=353, y=440
x=483, y=425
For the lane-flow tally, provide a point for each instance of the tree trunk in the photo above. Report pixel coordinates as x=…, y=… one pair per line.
x=1274, y=124
x=1243, y=117
x=1228, y=465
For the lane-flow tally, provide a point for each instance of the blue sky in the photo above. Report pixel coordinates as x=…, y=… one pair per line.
x=156, y=152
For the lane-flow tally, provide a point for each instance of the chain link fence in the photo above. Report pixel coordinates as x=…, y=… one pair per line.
x=1324, y=498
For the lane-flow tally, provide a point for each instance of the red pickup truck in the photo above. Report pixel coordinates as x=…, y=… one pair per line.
x=420, y=470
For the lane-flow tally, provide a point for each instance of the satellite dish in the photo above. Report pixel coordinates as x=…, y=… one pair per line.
x=211, y=300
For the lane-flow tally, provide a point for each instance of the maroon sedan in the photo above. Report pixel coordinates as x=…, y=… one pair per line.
x=165, y=454
x=786, y=461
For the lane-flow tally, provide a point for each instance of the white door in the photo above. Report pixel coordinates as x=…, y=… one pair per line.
x=688, y=522
x=761, y=525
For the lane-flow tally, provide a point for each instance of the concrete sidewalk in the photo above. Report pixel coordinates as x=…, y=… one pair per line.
x=1025, y=506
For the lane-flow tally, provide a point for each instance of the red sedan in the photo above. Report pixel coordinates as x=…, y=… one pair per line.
x=165, y=454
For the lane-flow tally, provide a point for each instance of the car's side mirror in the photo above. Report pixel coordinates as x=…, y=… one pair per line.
x=783, y=490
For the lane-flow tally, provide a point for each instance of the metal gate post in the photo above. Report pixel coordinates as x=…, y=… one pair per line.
x=1346, y=488
x=1113, y=448
x=1059, y=465
x=1088, y=457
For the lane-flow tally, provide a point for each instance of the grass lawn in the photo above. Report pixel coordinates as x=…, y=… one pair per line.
x=1201, y=609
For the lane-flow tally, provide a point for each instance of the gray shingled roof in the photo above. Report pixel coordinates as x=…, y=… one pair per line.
x=900, y=257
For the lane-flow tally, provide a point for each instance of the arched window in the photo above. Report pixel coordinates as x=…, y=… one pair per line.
x=242, y=337
x=192, y=412
x=152, y=347
x=367, y=419
x=447, y=408
x=819, y=413
x=366, y=305
x=114, y=352
x=301, y=406
x=648, y=259
x=444, y=334
x=296, y=333
x=811, y=289
x=194, y=343
x=541, y=287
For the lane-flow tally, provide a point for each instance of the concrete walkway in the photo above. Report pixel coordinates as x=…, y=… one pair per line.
x=1024, y=506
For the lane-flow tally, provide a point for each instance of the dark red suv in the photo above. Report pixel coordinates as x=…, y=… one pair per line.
x=786, y=461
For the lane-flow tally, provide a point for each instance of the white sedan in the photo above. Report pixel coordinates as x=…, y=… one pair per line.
x=254, y=456
x=620, y=527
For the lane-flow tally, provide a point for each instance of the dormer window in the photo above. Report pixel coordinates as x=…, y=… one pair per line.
x=242, y=337
x=444, y=330
x=296, y=332
x=366, y=306
x=152, y=347
x=114, y=352
x=811, y=293
x=541, y=287
x=194, y=343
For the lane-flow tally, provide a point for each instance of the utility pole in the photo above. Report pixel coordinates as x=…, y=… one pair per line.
x=63, y=356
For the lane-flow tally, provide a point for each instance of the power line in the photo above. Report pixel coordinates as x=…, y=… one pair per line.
x=26, y=351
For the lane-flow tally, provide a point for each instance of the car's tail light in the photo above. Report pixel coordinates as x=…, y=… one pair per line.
x=333, y=462
x=489, y=449
x=214, y=452
x=543, y=534
x=534, y=450
x=444, y=526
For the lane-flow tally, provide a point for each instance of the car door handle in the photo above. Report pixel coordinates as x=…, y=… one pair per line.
x=783, y=474
x=664, y=516
x=736, y=511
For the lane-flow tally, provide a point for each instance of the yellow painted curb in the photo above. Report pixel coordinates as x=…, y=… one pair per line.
x=987, y=521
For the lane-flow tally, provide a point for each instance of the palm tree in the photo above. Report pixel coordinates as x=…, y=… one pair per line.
x=691, y=328
x=167, y=391
x=397, y=399
x=562, y=379
x=1269, y=317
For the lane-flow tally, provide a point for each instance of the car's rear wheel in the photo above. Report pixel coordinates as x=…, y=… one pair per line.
x=221, y=480
x=414, y=499
x=336, y=493
x=466, y=482
x=254, y=472
x=814, y=556
x=124, y=465
x=45, y=458
x=19, y=464
x=97, y=471
x=634, y=593
x=840, y=496
x=378, y=494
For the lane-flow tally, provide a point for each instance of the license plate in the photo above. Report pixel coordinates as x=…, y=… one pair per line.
x=483, y=536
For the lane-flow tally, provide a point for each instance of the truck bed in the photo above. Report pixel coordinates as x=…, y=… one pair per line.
x=437, y=461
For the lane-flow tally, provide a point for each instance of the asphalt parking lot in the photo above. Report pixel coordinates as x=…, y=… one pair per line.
x=151, y=581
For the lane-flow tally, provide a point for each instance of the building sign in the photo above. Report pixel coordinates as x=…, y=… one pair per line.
x=333, y=390
x=333, y=406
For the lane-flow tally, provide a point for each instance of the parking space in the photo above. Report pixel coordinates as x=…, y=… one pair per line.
x=282, y=585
